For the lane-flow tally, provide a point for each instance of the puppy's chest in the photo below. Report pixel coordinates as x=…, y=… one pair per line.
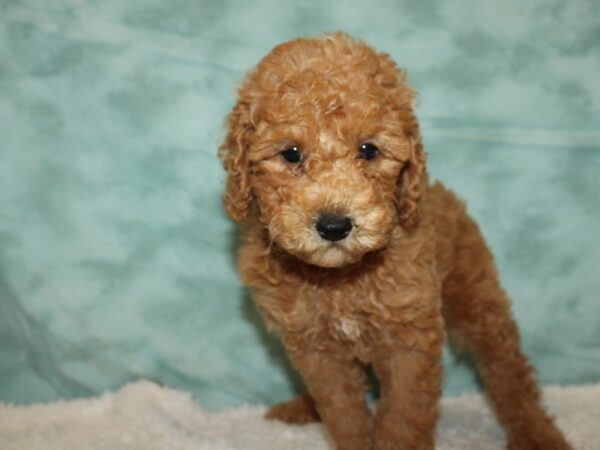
x=343, y=318
x=346, y=327
x=349, y=317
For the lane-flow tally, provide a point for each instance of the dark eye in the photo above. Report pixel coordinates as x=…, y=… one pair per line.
x=368, y=151
x=292, y=155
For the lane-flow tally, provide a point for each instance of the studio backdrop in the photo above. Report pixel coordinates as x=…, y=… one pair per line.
x=117, y=261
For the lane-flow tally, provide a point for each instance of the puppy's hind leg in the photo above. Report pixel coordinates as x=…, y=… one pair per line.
x=299, y=410
x=477, y=312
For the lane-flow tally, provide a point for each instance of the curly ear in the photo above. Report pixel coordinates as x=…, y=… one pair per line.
x=233, y=154
x=412, y=181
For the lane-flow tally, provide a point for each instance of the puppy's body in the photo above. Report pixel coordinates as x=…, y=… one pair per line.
x=350, y=308
x=378, y=292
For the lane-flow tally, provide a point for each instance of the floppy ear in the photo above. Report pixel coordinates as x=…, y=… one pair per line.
x=413, y=179
x=233, y=154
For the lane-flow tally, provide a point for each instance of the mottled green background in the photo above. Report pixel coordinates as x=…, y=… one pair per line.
x=116, y=259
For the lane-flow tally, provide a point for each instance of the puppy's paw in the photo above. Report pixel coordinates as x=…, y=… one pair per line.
x=298, y=410
x=551, y=441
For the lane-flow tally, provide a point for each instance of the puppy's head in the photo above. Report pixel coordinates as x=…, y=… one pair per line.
x=324, y=149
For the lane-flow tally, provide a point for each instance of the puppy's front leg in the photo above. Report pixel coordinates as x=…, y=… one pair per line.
x=338, y=386
x=410, y=389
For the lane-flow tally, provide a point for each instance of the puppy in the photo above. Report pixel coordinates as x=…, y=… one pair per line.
x=356, y=260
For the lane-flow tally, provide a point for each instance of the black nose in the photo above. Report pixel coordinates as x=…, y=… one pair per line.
x=333, y=227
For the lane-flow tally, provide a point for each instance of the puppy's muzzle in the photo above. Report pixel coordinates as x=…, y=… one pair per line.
x=333, y=227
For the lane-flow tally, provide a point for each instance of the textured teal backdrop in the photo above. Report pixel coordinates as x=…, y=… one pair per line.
x=116, y=259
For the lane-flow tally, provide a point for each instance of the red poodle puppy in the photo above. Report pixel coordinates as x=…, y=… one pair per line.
x=356, y=260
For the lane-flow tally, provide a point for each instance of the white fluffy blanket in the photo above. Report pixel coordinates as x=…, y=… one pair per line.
x=145, y=416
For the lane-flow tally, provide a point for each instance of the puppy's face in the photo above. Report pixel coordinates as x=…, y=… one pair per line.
x=324, y=147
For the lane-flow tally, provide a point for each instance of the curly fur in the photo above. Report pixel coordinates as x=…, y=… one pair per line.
x=414, y=262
